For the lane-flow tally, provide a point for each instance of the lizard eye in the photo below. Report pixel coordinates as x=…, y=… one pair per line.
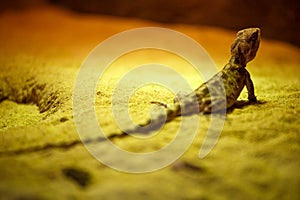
x=253, y=37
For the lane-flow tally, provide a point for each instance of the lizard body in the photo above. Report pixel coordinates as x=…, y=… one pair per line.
x=234, y=76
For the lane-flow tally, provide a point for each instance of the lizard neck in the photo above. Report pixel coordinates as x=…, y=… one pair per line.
x=237, y=61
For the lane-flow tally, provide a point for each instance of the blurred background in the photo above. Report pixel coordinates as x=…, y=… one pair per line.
x=279, y=19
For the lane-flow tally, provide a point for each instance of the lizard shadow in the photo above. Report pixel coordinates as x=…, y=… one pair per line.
x=240, y=104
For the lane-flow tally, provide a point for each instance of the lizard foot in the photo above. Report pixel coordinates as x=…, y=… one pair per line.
x=252, y=99
x=160, y=104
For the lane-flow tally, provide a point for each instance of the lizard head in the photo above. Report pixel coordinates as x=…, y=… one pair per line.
x=245, y=45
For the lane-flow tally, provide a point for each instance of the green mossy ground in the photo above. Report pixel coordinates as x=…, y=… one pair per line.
x=256, y=157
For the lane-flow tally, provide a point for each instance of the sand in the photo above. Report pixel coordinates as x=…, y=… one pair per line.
x=41, y=157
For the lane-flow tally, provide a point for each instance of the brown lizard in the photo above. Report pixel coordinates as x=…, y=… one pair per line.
x=210, y=94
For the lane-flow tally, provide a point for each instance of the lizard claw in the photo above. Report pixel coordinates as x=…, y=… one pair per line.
x=252, y=99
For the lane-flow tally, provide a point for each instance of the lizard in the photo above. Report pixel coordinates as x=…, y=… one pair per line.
x=207, y=96
x=210, y=95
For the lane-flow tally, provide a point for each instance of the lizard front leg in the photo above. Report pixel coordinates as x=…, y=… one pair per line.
x=250, y=88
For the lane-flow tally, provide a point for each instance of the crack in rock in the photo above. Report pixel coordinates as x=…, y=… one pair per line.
x=30, y=91
x=79, y=176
